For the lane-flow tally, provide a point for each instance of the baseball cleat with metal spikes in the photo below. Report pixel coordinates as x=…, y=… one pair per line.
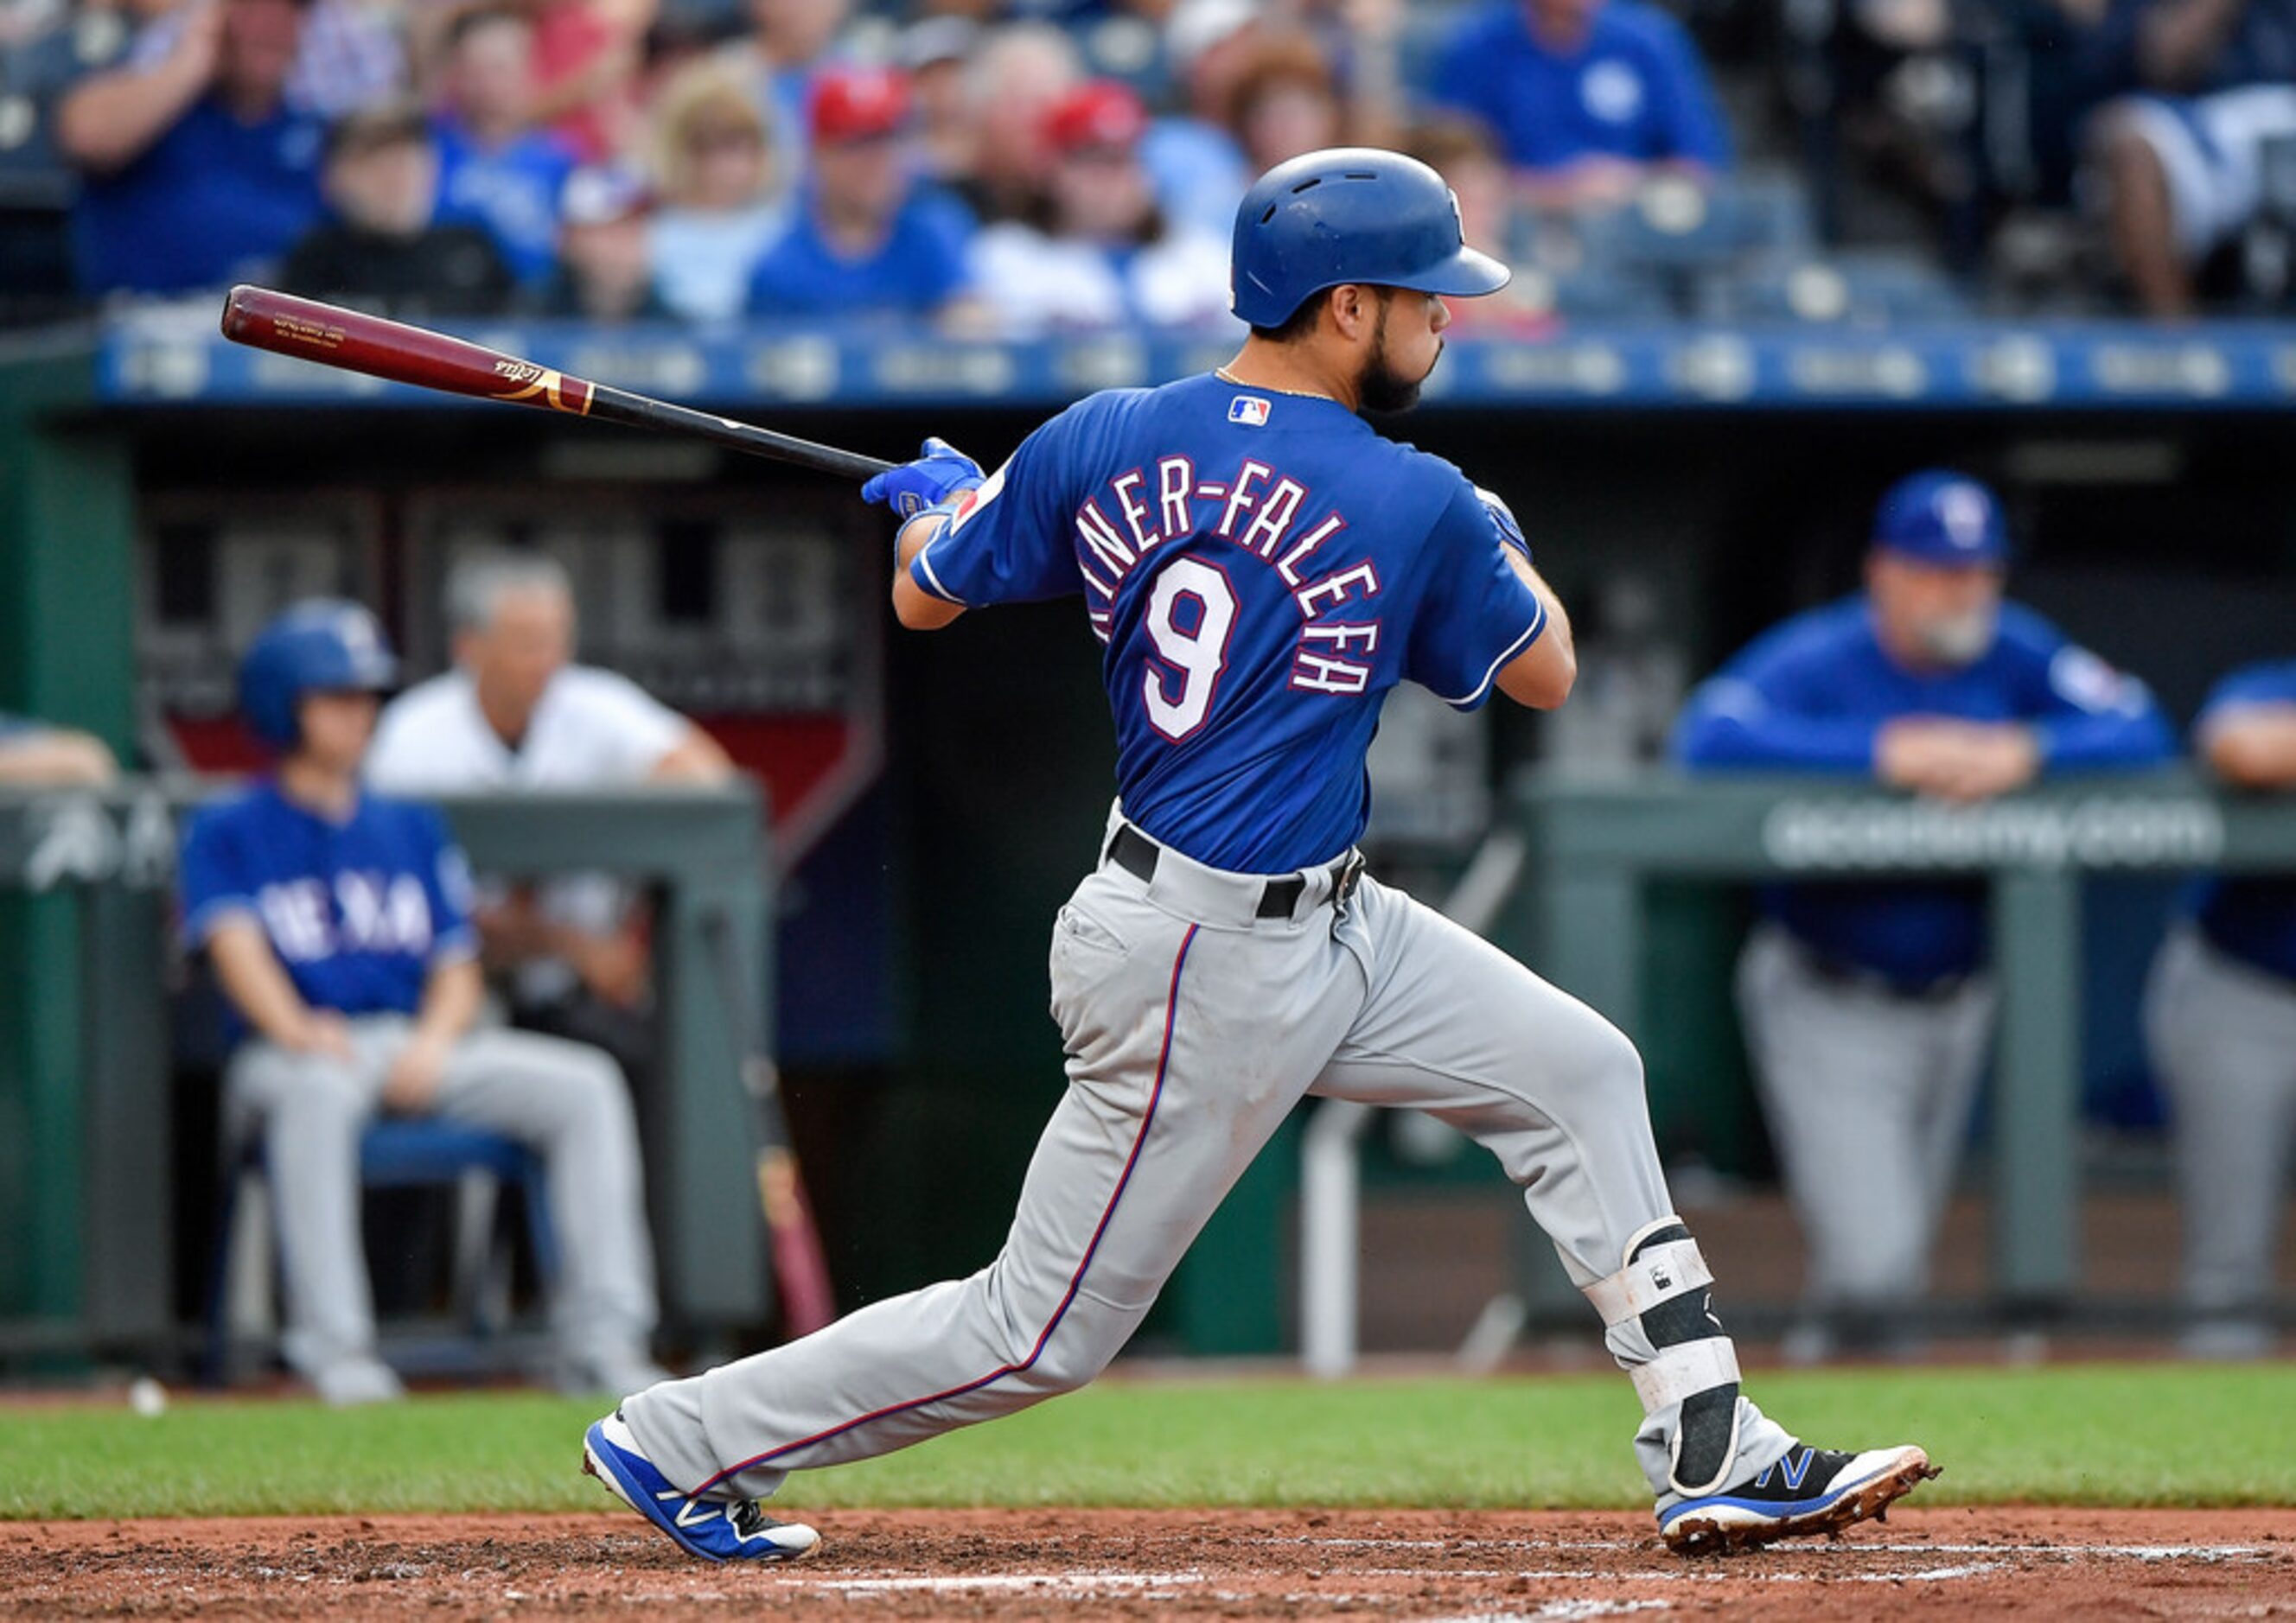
x=1807, y=1492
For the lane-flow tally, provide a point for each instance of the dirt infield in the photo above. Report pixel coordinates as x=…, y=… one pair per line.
x=1012, y=1564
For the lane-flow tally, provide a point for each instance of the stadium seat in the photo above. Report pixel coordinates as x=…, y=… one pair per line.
x=395, y=1154
x=1677, y=225
x=1588, y=296
x=1845, y=289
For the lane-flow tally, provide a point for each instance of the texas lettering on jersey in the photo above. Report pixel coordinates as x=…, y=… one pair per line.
x=359, y=911
x=373, y=913
x=1259, y=511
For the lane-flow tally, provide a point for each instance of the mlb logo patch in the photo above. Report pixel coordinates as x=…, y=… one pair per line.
x=1249, y=410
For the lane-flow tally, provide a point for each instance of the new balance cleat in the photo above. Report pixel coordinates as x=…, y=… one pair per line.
x=715, y=1529
x=1808, y=1491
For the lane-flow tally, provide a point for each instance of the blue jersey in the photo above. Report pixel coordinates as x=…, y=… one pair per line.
x=917, y=268
x=1263, y=569
x=2252, y=919
x=1811, y=695
x=1634, y=89
x=211, y=202
x=510, y=191
x=358, y=912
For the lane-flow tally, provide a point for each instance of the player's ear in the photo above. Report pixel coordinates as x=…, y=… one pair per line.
x=1353, y=308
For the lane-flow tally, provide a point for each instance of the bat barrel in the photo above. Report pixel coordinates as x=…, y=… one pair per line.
x=356, y=341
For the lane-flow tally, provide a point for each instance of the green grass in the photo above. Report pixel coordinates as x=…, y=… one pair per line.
x=2085, y=1435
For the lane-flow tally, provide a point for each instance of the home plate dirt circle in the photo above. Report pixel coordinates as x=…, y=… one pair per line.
x=1420, y=1565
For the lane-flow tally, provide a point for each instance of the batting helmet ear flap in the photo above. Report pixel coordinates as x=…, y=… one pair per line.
x=319, y=645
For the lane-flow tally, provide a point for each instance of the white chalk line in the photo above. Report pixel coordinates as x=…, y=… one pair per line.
x=1075, y=1585
x=1563, y=1611
x=1733, y=1574
x=1064, y=1583
x=1831, y=1552
x=1085, y=1585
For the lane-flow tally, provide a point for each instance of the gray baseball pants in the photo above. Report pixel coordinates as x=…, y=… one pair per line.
x=1867, y=1093
x=1192, y=1028
x=2223, y=1039
x=566, y=1101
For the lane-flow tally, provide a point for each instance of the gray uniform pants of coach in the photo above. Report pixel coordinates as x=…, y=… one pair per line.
x=2223, y=1038
x=1192, y=1028
x=1867, y=1093
x=566, y=1101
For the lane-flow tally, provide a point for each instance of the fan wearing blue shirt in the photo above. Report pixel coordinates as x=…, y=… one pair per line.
x=867, y=240
x=1867, y=1009
x=2221, y=1020
x=338, y=923
x=1586, y=96
x=495, y=170
x=197, y=171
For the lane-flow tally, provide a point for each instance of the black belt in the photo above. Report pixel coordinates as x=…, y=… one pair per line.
x=1137, y=854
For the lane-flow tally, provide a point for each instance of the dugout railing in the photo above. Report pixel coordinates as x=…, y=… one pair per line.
x=1594, y=851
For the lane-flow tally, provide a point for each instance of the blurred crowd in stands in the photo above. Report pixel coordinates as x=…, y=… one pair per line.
x=1070, y=165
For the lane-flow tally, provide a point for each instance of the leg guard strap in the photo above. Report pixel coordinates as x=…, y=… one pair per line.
x=1658, y=1274
x=1662, y=1292
x=1680, y=1373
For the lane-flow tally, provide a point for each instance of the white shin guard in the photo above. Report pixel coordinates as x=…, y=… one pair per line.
x=1660, y=1299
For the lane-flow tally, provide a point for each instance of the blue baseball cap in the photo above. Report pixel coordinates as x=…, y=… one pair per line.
x=1940, y=517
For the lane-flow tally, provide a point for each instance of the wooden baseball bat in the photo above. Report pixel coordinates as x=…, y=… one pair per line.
x=355, y=341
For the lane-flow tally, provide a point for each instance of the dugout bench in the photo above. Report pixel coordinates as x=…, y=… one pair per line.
x=86, y=1158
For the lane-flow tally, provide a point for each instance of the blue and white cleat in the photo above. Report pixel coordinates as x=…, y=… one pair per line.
x=715, y=1529
x=1808, y=1491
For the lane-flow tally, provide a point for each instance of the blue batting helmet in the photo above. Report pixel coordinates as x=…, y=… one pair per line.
x=1350, y=213
x=321, y=645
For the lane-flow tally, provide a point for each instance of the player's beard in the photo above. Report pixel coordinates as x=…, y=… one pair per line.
x=1958, y=640
x=1379, y=387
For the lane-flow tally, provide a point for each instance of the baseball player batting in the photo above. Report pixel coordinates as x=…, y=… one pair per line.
x=1261, y=567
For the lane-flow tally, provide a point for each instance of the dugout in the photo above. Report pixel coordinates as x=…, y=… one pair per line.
x=1685, y=487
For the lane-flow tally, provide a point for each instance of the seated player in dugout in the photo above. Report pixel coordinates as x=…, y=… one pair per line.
x=2220, y=1024
x=515, y=713
x=1263, y=568
x=338, y=924
x=1867, y=1007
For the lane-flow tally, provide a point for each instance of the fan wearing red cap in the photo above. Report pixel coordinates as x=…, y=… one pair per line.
x=1109, y=257
x=868, y=239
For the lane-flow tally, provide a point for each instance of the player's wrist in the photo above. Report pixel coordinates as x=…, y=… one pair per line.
x=911, y=539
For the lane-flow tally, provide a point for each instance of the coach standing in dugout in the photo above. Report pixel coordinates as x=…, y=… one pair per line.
x=2220, y=1021
x=1867, y=1007
x=338, y=924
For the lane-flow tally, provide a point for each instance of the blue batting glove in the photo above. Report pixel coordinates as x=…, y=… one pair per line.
x=937, y=475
